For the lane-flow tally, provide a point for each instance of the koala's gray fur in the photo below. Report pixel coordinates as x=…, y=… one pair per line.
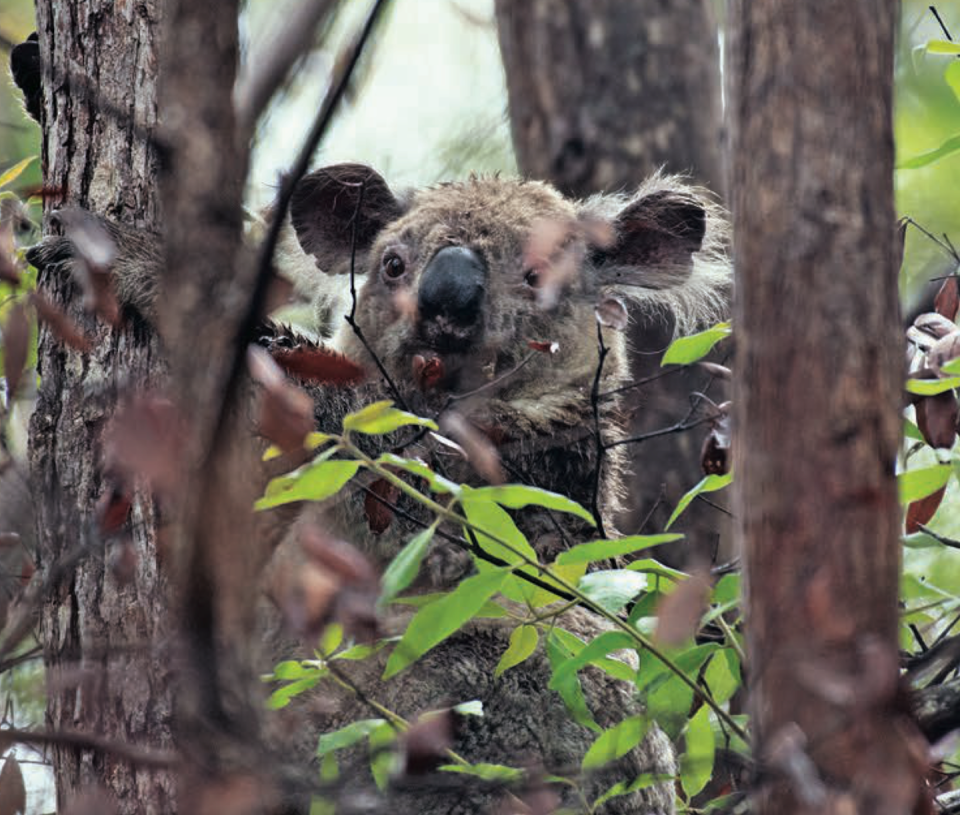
x=539, y=264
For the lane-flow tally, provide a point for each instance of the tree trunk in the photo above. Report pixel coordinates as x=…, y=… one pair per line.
x=818, y=395
x=602, y=94
x=107, y=672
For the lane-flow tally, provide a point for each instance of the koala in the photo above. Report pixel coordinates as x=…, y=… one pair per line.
x=459, y=284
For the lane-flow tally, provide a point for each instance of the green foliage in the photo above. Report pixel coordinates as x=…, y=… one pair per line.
x=686, y=350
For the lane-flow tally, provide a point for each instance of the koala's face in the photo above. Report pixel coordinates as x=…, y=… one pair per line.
x=461, y=279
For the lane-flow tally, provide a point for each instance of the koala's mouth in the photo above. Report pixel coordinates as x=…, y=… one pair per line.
x=444, y=335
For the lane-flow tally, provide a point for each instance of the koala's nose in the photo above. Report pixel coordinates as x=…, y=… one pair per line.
x=453, y=286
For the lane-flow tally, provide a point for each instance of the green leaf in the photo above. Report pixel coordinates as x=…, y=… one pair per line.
x=281, y=697
x=411, y=465
x=952, y=366
x=684, y=350
x=951, y=145
x=943, y=47
x=623, y=788
x=497, y=522
x=605, y=549
x=569, y=687
x=434, y=623
x=11, y=175
x=289, y=669
x=591, y=654
x=727, y=589
x=931, y=387
x=383, y=760
x=911, y=431
x=518, y=496
x=616, y=742
x=361, y=651
x=347, y=736
x=952, y=75
x=711, y=483
x=523, y=642
x=719, y=678
x=696, y=766
x=313, y=482
x=488, y=772
x=404, y=568
x=917, y=484
x=656, y=568
x=383, y=417
x=612, y=589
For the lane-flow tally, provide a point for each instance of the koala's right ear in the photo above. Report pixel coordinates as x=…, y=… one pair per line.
x=324, y=206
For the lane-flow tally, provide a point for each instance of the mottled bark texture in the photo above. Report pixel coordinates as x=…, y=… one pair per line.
x=818, y=395
x=603, y=93
x=107, y=672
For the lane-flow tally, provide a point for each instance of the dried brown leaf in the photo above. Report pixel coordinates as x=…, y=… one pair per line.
x=947, y=300
x=318, y=364
x=145, y=440
x=286, y=411
x=426, y=742
x=944, y=350
x=16, y=339
x=428, y=372
x=679, y=613
x=13, y=793
x=544, y=347
x=59, y=323
x=612, y=313
x=480, y=450
x=920, y=512
x=379, y=515
x=341, y=559
x=937, y=418
x=934, y=325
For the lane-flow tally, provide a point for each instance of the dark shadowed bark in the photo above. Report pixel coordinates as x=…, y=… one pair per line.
x=602, y=94
x=818, y=396
x=107, y=672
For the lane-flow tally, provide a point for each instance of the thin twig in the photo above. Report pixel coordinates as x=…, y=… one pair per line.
x=597, y=434
x=679, y=427
x=953, y=544
x=142, y=756
x=943, y=25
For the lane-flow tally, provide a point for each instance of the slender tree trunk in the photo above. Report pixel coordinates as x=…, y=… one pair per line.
x=107, y=673
x=818, y=396
x=602, y=94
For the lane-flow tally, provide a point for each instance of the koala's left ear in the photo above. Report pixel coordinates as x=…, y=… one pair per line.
x=655, y=238
x=667, y=252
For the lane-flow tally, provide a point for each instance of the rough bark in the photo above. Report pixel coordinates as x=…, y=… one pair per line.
x=602, y=94
x=107, y=673
x=818, y=395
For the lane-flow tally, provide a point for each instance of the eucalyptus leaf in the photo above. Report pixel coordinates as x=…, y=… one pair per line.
x=606, y=549
x=711, y=483
x=383, y=417
x=685, y=350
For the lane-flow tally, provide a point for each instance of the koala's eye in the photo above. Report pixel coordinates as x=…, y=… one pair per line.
x=392, y=266
x=533, y=278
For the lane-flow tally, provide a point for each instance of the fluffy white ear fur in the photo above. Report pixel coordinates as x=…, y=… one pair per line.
x=695, y=289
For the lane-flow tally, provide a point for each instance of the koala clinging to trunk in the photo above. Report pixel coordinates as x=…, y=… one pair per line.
x=459, y=282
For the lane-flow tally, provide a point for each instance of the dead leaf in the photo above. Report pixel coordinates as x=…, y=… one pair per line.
x=612, y=313
x=947, y=300
x=480, y=450
x=716, y=370
x=286, y=411
x=937, y=419
x=426, y=743
x=428, y=372
x=544, y=347
x=679, y=613
x=63, y=328
x=318, y=364
x=145, y=440
x=16, y=339
x=379, y=515
x=13, y=794
x=934, y=325
x=113, y=509
x=944, y=350
x=920, y=512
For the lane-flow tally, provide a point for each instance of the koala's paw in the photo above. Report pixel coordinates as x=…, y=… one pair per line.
x=447, y=564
